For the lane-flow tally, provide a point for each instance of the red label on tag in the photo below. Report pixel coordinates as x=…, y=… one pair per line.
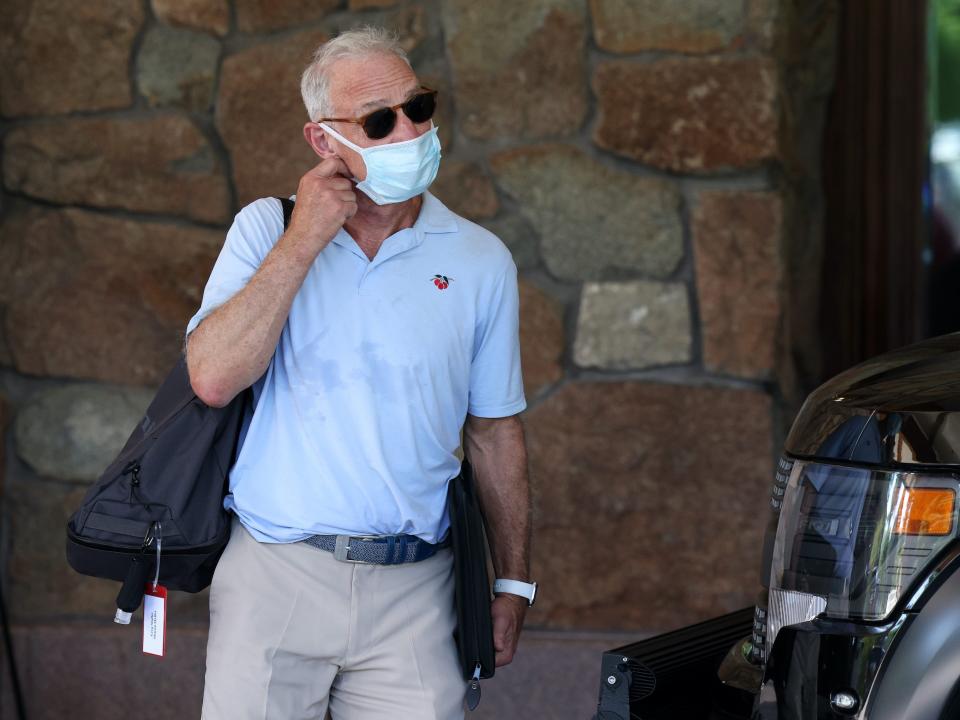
x=155, y=620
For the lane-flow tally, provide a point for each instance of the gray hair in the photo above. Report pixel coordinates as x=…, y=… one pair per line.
x=315, y=81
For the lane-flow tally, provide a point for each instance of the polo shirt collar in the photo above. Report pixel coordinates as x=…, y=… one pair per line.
x=434, y=218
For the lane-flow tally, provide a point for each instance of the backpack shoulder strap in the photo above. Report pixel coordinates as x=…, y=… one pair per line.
x=287, y=210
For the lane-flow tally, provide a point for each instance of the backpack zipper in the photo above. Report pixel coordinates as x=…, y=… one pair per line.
x=132, y=467
x=134, y=549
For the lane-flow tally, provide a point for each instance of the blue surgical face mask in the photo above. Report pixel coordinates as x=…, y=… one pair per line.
x=397, y=171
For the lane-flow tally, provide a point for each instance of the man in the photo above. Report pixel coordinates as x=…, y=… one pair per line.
x=372, y=330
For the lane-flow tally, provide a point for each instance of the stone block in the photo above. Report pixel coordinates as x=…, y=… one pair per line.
x=41, y=584
x=260, y=115
x=466, y=189
x=626, y=325
x=689, y=114
x=355, y=5
x=737, y=237
x=519, y=236
x=210, y=15
x=632, y=26
x=410, y=24
x=656, y=493
x=518, y=66
x=6, y=354
x=592, y=218
x=255, y=16
x=158, y=164
x=60, y=56
x=432, y=77
x=73, y=432
x=92, y=296
x=177, y=67
x=97, y=671
x=762, y=19
x=541, y=339
x=5, y=418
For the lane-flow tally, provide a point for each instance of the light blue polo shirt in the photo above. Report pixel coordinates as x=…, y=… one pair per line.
x=358, y=416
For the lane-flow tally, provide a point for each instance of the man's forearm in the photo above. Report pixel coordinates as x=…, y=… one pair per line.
x=232, y=347
x=497, y=452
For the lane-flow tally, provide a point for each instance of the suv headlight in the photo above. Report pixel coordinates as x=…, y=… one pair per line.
x=851, y=541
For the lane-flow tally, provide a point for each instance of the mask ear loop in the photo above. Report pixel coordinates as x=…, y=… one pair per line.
x=346, y=142
x=342, y=139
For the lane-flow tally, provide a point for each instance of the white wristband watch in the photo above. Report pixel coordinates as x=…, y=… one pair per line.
x=516, y=587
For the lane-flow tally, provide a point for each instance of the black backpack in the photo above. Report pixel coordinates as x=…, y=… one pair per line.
x=164, y=491
x=172, y=471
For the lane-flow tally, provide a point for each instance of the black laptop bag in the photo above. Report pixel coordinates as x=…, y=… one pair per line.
x=474, y=633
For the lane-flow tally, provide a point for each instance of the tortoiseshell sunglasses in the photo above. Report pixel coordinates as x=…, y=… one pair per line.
x=379, y=123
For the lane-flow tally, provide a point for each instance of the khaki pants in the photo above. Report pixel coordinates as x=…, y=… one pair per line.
x=293, y=631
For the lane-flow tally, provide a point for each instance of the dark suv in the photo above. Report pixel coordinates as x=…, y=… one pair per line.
x=859, y=616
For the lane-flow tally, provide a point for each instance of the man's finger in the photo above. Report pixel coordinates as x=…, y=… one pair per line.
x=325, y=168
x=332, y=166
x=504, y=641
x=343, y=169
x=503, y=657
x=507, y=618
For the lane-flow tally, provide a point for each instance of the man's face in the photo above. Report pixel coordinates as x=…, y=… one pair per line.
x=359, y=86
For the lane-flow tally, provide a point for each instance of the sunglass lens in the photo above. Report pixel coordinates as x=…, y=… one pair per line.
x=379, y=124
x=420, y=108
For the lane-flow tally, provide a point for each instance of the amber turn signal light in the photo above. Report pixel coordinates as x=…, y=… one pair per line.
x=925, y=511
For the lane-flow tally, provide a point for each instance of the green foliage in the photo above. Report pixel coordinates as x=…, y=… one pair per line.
x=948, y=60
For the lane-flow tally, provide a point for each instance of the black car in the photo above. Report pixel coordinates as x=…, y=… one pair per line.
x=859, y=616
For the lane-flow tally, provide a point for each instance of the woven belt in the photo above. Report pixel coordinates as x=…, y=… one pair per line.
x=377, y=549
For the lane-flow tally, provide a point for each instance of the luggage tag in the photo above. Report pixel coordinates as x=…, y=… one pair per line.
x=155, y=610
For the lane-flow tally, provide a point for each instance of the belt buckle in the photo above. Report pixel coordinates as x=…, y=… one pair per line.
x=341, y=550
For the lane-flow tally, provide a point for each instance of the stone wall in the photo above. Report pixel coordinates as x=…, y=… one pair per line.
x=651, y=165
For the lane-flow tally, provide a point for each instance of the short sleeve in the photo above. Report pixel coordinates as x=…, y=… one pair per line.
x=496, y=381
x=253, y=234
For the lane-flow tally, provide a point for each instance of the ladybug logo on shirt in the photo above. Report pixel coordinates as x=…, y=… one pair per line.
x=441, y=281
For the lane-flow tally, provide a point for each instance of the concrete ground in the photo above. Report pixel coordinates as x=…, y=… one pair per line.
x=89, y=672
